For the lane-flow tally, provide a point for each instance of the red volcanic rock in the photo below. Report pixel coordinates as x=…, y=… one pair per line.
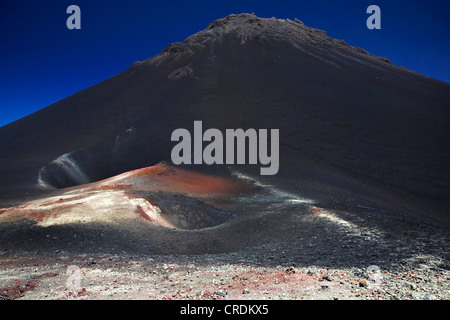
x=120, y=198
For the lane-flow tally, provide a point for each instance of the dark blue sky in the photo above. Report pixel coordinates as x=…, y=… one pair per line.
x=41, y=61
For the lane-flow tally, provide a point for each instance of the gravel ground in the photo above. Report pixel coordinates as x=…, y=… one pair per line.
x=331, y=259
x=107, y=277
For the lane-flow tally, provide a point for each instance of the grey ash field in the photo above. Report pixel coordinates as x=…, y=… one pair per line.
x=358, y=210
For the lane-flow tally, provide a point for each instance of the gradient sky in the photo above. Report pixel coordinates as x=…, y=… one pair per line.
x=42, y=62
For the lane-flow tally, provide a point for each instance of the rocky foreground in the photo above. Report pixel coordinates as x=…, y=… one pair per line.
x=411, y=264
x=110, y=277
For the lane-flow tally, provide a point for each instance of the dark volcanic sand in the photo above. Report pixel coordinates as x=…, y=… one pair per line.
x=275, y=246
x=363, y=177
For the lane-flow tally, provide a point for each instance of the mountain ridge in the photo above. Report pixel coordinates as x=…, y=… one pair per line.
x=249, y=26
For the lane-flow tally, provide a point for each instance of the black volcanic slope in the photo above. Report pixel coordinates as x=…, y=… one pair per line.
x=353, y=127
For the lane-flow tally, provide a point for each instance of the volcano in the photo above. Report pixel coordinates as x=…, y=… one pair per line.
x=356, y=133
